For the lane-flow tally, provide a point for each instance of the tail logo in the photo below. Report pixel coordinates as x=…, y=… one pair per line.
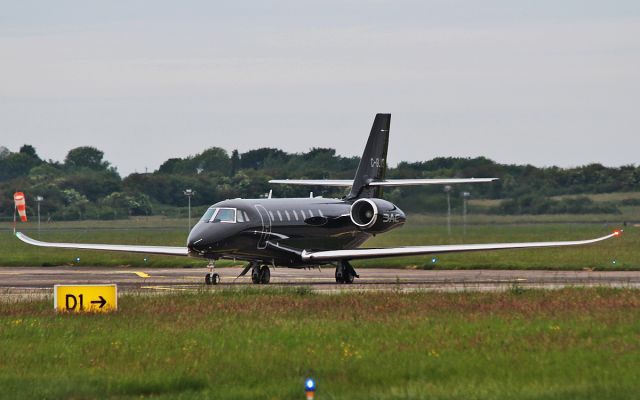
x=377, y=162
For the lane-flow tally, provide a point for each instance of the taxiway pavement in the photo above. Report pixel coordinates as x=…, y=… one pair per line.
x=29, y=282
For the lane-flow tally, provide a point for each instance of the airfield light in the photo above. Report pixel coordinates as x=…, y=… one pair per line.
x=617, y=233
x=310, y=388
x=189, y=193
x=39, y=200
x=77, y=259
x=433, y=260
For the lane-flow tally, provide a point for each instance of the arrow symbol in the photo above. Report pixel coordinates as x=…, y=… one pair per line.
x=102, y=302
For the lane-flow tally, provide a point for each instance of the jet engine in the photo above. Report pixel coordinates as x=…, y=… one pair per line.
x=376, y=215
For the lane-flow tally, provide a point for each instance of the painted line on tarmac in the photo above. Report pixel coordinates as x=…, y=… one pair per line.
x=138, y=273
x=168, y=288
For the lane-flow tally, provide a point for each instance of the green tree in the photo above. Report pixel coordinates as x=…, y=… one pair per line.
x=235, y=162
x=29, y=150
x=86, y=157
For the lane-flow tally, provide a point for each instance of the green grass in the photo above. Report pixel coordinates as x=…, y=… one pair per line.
x=420, y=230
x=625, y=251
x=247, y=344
x=597, y=197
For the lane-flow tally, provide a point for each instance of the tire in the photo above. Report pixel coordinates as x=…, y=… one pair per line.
x=348, y=278
x=339, y=276
x=215, y=279
x=265, y=275
x=207, y=279
x=255, y=275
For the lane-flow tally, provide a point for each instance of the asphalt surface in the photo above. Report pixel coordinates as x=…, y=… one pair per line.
x=35, y=282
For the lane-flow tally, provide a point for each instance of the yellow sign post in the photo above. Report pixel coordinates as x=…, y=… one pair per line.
x=85, y=298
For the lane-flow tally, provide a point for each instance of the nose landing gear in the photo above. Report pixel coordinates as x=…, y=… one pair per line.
x=212, y=278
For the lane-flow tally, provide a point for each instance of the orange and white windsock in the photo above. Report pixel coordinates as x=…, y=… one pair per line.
x=18, y=198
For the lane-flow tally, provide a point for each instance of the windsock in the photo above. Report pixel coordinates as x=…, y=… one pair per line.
x=18, y=198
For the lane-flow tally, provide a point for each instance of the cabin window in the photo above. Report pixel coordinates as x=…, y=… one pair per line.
x=311, y=213
x=227, y=215
x=320, y=212
x=303, y=216
x=295, y=214
x=288, y=215
x=246, y=216
x=279, y=215
x=239, y=216
x=271, y=215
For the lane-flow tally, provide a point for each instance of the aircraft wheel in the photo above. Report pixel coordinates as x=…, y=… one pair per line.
x=348, y=278
x=339, y=276
x=255, y=275
x=265, y=274
x=211, y=279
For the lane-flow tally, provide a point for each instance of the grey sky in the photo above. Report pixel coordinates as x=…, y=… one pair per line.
x=547, y=83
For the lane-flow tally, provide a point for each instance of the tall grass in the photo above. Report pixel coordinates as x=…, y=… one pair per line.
x=262, y=344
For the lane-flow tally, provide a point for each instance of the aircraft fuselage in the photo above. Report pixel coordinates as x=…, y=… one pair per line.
x=272, y=231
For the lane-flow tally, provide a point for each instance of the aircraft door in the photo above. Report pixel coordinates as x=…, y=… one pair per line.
x=266, y=226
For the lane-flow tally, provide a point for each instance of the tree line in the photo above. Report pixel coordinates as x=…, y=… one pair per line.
x=85, y=186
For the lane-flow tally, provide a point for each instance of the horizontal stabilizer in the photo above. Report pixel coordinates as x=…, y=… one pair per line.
x=314, y=182
x=386, y=182
x=163, y=250
x=358, y=254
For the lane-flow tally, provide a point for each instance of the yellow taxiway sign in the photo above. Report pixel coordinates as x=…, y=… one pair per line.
x=85, y=298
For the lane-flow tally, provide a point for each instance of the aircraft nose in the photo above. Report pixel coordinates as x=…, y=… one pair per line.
x=402, y=217
x=195, y=241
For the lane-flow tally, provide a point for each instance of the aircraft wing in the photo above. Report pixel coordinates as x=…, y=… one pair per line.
x=358, y=254
x=163, y=250
x=415, y=182
x=386, y=182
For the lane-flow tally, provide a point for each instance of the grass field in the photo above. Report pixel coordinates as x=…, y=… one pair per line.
x=598, y=197
x=622, y=253
x=248, y=344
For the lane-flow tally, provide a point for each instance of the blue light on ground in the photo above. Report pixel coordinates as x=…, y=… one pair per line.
x=310, y=385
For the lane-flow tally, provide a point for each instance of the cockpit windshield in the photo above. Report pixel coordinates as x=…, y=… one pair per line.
x=208, y=214
x=218, y=214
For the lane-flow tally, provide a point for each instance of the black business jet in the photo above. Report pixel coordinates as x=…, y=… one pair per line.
x=313, y=231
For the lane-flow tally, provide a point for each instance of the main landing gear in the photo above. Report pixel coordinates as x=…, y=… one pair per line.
x=345, y=272
x=260, y=274
x=212, y=278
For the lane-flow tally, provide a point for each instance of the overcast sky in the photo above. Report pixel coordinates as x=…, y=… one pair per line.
x=541, y=82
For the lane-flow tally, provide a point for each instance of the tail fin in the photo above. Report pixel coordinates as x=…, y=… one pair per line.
x=373, y=164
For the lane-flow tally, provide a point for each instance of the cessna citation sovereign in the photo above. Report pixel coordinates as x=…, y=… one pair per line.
x=314, y=231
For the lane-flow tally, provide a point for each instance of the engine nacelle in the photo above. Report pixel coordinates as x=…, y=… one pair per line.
x=376, y=215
